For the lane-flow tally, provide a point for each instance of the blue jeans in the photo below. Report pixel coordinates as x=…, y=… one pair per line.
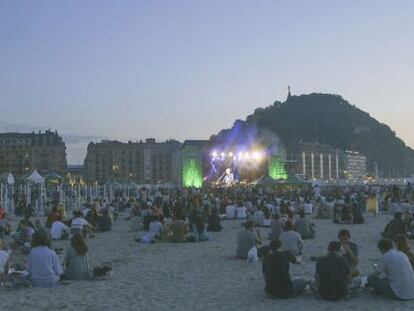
x=381, y=286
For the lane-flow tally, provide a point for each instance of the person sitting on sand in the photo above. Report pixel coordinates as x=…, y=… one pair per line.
x=76, y=259
x=401, y=244
x=267, y=217
x=257, y=217
x=349, y=250
x=155, y=227
x=345, y=214
x=52, y=216
x=332, y=274
x=5, y=227
x=308, y=207
x=199, y=229
x=394, y=277
x=214, y=222
x=276, y=264
x=59, y=230
x=276, y=227
x=42, y=263
x=357, y=218
x=394, y=227
x=241, y=211
x=178, y=229
x=80, y=225
x=104, y=221
x=230, y=211
x=246, y=239
x=4, y=260
x=291, y=240
x=24, y=232
x=305, y=227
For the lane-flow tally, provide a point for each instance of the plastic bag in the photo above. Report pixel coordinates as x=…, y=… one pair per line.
x=252, y=255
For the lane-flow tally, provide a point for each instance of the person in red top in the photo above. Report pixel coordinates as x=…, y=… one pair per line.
x=1, y=213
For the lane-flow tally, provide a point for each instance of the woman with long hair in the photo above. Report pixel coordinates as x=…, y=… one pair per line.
x=76, y=259
x=401, y=244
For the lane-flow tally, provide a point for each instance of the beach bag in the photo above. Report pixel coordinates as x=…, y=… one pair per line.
x=252, y=255
x=103, y=272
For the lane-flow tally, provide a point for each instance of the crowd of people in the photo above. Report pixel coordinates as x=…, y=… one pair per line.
x=189, y=215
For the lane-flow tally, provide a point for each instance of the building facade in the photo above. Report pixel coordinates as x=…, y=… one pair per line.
x=21, y=153
x=146, y=162
x=315, y=161
x=355, y=165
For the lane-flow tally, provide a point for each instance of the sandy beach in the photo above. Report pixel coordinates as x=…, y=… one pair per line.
x=197, y=276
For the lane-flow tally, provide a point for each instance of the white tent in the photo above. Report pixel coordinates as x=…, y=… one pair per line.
x=36, y=178
x=10, y=179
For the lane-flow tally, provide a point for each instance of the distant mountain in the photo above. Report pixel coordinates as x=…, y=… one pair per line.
x=330, y=119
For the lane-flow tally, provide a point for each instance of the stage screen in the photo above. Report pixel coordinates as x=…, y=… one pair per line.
x=233, y=167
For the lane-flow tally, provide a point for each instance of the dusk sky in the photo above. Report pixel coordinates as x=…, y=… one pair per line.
x=128, y=70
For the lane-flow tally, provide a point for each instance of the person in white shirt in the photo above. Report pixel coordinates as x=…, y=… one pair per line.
x=59, y=230
x=258, y=217
x=4, y=260
x=80, y=225
x=241, y=211
x=155, y=227
x=231, y=212
x=291, y=240
x=308, y=208
x=394, y=277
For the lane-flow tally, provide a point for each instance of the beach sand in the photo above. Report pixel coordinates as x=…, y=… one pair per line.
x=198, y=276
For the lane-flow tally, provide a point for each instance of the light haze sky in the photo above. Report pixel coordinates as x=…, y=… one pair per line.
x=128, y=70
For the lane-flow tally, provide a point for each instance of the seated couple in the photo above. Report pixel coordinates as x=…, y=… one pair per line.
x=394, y=277
x=43, y=265
x=236, y=212
x=332, y=273
x=179, y=230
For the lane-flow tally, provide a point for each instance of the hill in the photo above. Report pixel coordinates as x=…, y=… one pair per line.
x=329, y=119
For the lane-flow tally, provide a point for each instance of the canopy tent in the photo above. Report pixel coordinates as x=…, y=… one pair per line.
x=265, y=180
x=36, y=178
x=292, y=180
x=10, y=179
x=7, y=178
